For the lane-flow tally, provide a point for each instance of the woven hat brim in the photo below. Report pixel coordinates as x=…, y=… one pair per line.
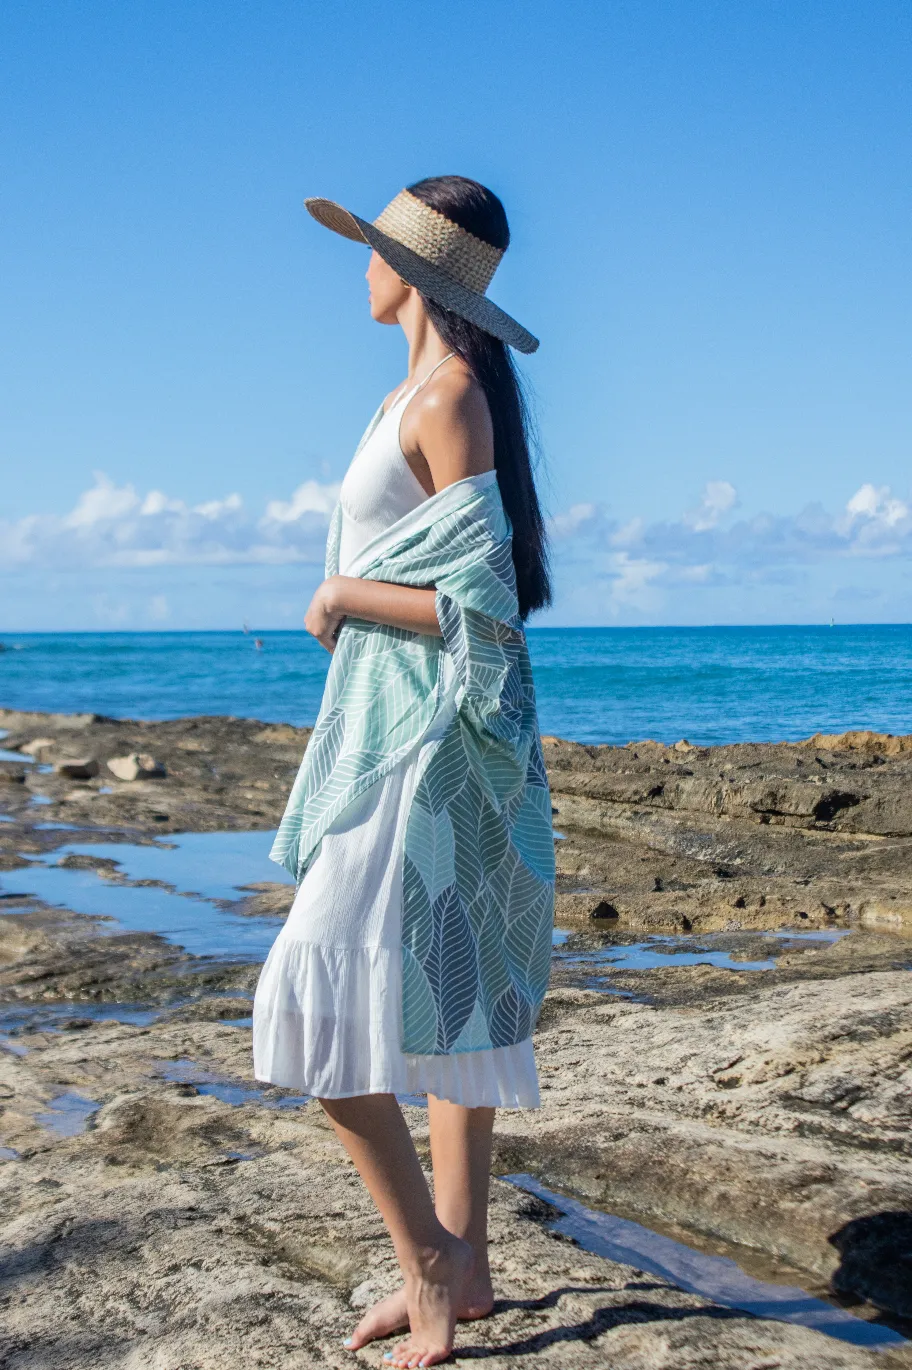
x=424, y=276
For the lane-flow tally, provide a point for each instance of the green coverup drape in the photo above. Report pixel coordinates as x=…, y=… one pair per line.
x=478, y=860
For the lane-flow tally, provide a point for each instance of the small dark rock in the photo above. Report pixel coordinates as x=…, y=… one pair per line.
x=604, y=910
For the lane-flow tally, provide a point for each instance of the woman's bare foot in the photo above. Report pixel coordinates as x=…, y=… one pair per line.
x=388, y=1316
x=433, y=1294
x=391, y=1314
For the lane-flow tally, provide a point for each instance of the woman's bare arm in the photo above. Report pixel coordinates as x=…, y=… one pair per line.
x=446, y=435
x=341, y=597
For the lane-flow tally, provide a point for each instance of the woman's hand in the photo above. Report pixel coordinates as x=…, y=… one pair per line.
x=325, y=617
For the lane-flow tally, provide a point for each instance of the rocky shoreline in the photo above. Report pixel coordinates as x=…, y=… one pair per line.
x=724, y=1053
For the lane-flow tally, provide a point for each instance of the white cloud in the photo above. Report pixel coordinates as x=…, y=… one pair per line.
x=703, y=549
x=628, y=533
x=158, y=503
x=718, y=497
x=102, y=502
x=218, y=508
x=575, y=517
x=309, y=498
x=632, y=580
x=113, y=525
x=606, y=569
x=876, y=503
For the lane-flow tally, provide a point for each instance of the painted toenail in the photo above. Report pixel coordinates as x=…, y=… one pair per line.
x=347, y=1341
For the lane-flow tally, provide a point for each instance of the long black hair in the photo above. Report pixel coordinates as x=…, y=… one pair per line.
x=479, y=211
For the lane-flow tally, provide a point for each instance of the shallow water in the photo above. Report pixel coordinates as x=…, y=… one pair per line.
x=55, y=1017
x=215, y=865
x=198, y=868
x=227, y=1090
x=68, y=1114
x=658, y=952
x=13, y=756
x=713, y=1277
x=197, y=874
x=201, y=928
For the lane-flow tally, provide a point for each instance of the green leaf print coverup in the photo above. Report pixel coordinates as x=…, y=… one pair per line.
x=475, y=863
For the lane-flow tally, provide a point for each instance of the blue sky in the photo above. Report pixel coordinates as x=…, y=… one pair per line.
x=710, y=205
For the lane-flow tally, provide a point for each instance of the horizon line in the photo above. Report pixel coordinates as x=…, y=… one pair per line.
x=531, y=628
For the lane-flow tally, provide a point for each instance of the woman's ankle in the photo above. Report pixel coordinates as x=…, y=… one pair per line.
x=443, y=1254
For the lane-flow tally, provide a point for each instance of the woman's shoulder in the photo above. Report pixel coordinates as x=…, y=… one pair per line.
x=452, y=398
x=447, y=428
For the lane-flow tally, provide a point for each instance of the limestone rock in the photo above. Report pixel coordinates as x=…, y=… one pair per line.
x=178, y=1231
x=37, y=745
x=778, y=1118
x=886, y=744
x=137, y=766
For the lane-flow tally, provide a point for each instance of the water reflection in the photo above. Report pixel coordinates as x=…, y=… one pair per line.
x=713, y=1277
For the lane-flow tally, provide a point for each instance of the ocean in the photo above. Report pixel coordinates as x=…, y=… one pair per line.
x=710, y=685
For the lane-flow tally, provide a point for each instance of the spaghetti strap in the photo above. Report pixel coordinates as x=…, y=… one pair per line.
x=407, y=394
x=432, y=370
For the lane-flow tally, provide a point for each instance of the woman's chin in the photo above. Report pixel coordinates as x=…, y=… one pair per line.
x=381, y=315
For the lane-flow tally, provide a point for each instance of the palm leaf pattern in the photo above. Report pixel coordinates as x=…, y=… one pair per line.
x=478, y=863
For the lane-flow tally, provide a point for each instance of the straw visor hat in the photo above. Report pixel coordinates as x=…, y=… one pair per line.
x=435, y=255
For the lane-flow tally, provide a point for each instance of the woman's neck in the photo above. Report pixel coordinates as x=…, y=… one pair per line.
x=425, y=345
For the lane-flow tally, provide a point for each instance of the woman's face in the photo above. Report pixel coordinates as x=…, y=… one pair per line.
x=387, y=293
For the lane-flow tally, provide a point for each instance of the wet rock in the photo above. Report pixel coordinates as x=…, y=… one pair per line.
x=103, y=866
x=137, y=766
x=781, y=832
x=50, y=954
x=20, y=719
x=267, y=899
x=223, y=773
x=703, y=1342
x=212, y=1008
x=773, y=1119
x=876, y=1260
x=83, y=768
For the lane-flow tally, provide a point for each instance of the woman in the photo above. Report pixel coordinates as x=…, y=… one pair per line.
x=415, y=957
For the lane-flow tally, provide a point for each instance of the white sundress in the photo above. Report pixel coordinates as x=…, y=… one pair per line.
x=327, y=1015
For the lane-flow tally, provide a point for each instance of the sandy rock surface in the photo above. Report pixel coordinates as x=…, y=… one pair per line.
x=758, y=1107
x=182, y=1231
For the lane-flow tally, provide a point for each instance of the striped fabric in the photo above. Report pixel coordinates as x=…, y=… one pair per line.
x=478, y=865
